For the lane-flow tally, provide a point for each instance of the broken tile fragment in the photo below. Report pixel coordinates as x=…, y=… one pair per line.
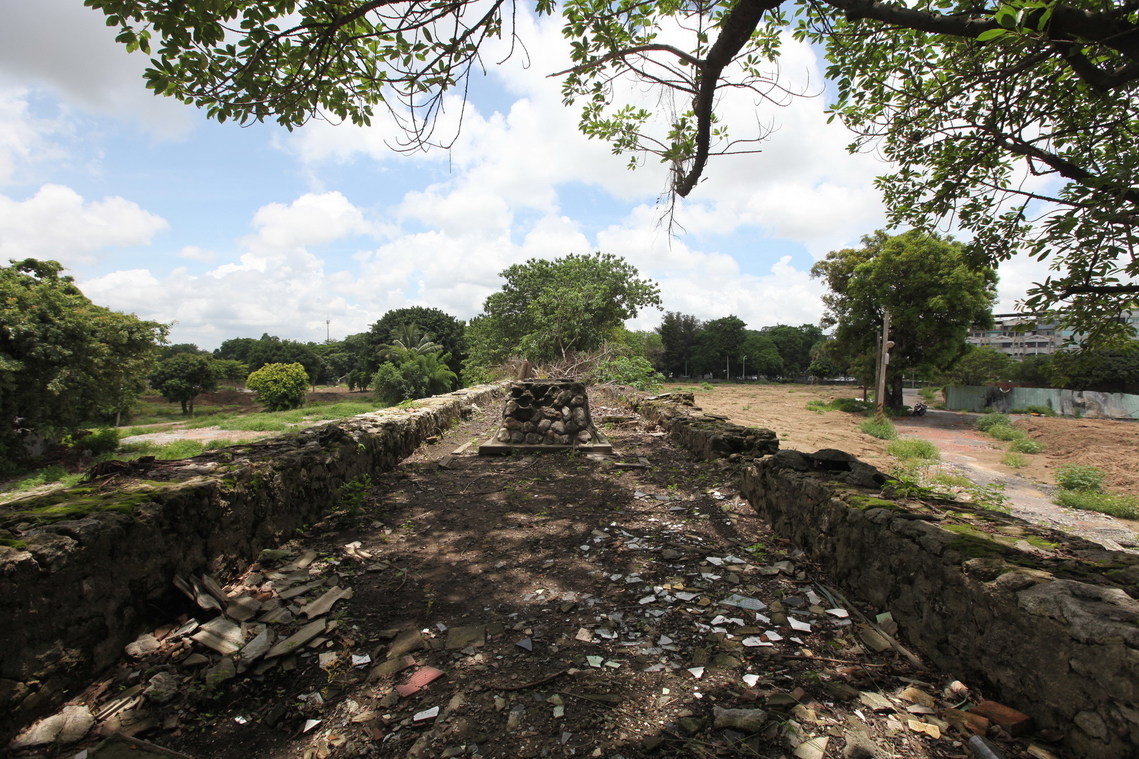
x=220, y=634
x=933, y=731
x=297, y=639
x=466, y=637
x=1016, y=723
x=426, y=714
x=875, y=701
x=324, y=604
x=812, y=748
x=418, y=680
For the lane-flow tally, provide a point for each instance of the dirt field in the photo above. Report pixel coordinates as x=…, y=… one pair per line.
x=1111, y=445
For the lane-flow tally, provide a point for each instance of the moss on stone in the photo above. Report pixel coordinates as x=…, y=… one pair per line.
x=77, y=503
x=866, y=502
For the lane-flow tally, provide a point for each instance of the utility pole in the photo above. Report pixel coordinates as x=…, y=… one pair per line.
x=743, y=374
x=884, y=346
x=328, y=330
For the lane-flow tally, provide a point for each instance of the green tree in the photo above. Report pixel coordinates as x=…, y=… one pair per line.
x=1108, y=370
x=926, y=282
x=231, y=371
x=443, y=328
x=794, y=345
x=279, y=387
x=183, y=377
x=980, y=365
x=63, y=360
x=964, y=98
x=678, y=333
x=718, y=346
x=758, y=353
x=410, y=375
x=547, y=310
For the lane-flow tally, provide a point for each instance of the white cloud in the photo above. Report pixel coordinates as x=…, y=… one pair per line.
x=24, y=138
x=67, y=48
x=58, y=223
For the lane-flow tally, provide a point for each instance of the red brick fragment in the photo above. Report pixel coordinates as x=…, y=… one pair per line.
x=1016, y=723
x=418, y=679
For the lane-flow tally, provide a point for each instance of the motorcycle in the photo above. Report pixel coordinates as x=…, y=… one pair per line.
x=919, y=409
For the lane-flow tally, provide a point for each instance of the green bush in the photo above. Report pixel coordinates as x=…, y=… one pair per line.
x=1027, y=445
x=101, y=441
x=279, y=386
x=413, y=375
x=913, y=448
x=634, y=371
x=1005, y=432
x=883, y=429
x=990, y=420
x=1087, y=479
x=707, y=387
x=1013, y=459
x=1115, y=504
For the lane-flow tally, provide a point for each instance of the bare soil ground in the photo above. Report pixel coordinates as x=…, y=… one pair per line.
x=566, y=606
x=1110, y=445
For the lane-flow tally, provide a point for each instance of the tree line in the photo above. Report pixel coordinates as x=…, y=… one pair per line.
x=66, y=362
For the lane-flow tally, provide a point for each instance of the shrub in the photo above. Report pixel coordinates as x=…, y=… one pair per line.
x=634, y=371
x=913, y=448
x=1005, y=432
x=1014, y=460
x=990, y=420
x=1027, y=445
x=279, y=386
x=707, y=386
x=1088, y=479
x=413, y=375
x=1115, y=504
x=883, y=429
x=100, y=441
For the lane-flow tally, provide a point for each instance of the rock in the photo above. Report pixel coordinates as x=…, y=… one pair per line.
x=142, y=646
x=748, y=720
x=859, y=744
x=812, y=748
x=875, y=701
x=70, y=725
x=162, y=688
x=221, y=672
x=272, y=555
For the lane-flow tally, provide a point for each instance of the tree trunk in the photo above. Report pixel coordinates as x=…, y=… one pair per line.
x=894, y=391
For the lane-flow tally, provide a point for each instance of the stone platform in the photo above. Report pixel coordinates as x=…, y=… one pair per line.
x=546, y=415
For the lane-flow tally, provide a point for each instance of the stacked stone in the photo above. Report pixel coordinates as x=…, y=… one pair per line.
x=546, y=412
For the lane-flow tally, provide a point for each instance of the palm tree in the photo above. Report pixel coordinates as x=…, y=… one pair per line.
x=408, y=340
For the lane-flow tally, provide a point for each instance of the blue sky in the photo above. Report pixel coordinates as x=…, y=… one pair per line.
x=227, y=231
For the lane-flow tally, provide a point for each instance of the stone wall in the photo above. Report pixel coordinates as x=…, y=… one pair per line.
x=706, y=435
x=1052, y=632
x=546, y=412
x=77, y=590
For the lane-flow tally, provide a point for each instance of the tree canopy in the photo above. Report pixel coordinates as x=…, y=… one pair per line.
x=926, y=283
x=1012, y=118
x=439, y=327
x=184, y=376
x=64, y=360
x=547, y=309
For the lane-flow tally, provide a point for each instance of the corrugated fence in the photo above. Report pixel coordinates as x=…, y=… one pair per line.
x=1064, y=402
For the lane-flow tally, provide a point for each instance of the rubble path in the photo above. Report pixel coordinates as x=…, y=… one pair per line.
x=550, y=605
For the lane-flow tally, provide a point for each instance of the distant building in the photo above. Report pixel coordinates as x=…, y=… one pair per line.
x=1021, y=335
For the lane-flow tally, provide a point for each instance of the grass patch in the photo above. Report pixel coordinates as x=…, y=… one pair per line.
x=1014, y=459
x=849, y=405
x=913, y=448
x=1005, y=432
x=47, y=476
x=1080, y=477
x=951, y=480
x=1027, y=445
x=883, y=429
x=990, y=420
x=179, y=449
x=1041, y=410
x=1115, y=504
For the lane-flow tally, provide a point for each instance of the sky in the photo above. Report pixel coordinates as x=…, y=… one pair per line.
x=227, y=231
